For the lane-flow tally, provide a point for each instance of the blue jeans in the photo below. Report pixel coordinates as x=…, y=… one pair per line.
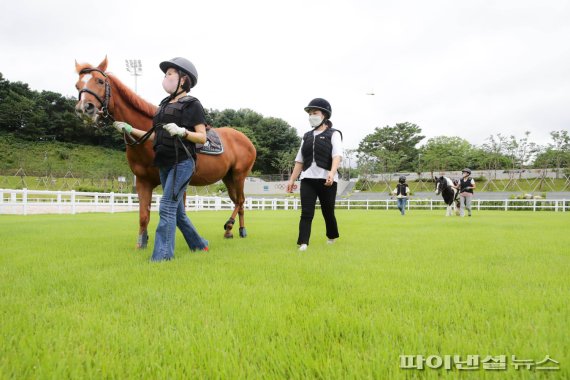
x=172, y=213
x=402, y=204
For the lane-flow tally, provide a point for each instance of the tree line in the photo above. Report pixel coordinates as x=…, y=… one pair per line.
x=48, y=116
x=395, y=148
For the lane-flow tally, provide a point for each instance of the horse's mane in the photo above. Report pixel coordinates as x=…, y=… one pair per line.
x=448, y=182
x=132, y=98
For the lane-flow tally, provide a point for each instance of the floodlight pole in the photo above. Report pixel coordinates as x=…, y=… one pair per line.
x=134, y=66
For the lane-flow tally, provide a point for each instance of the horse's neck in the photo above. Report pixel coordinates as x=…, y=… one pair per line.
x=129, y=107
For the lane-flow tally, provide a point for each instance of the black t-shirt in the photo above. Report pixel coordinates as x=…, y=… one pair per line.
x=192, y=115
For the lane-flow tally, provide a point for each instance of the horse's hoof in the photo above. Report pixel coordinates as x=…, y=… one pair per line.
x=142, y=241
x=242, y=232
x=228, y=235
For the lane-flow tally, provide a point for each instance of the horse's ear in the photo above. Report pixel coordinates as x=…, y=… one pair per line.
x=77, y=66
x=103, y=65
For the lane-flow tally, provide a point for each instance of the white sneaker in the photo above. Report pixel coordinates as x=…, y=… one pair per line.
x=330, y=241
x=303, y=247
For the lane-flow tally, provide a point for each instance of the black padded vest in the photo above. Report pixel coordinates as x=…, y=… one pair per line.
x=463, y=184
x=402, y=188
x=318, y=148
x=168, y=148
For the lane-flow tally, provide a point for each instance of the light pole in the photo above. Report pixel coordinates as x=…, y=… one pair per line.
x=134, y=66
x=420, y=164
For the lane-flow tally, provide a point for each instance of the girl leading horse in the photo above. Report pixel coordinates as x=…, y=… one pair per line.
x=103, y=98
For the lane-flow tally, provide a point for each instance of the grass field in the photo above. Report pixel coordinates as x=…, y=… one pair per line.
x=78, y=301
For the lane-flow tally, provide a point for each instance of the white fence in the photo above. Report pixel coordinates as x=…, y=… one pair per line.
x=72, y=202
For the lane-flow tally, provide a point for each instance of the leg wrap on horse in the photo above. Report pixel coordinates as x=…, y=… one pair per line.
x=229, y=224
x=142, y=240
x=242, y=232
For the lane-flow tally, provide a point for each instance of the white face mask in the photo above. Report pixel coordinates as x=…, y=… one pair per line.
x=315, y=120
x=169, y=83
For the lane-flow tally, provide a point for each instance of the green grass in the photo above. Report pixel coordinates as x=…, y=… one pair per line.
x=78, y=301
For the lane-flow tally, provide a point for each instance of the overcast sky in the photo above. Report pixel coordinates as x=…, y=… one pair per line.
x=455, y=68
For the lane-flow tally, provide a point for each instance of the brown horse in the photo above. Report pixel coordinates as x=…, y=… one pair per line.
x=102, y=97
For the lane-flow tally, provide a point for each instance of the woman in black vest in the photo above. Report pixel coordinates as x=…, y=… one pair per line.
x=178, y=125
x=317, y=161
x=465, y=186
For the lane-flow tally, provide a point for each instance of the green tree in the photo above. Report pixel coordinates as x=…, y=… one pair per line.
x=556, y=154
x=274, y=135
x=285, y=161
x=493, y=150
x=273, y=138
x=447, y=153
x=393, y=148
x=47, y=116
x=520, y=151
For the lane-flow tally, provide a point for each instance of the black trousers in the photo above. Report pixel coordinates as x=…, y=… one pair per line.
x=311, y=189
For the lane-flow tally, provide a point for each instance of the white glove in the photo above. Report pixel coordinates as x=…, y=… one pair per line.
x=175, y=130
x=121, y=126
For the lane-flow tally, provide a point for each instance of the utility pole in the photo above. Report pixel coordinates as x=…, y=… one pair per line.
x=134, y=66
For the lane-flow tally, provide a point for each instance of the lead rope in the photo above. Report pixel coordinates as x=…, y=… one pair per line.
x=176, y=141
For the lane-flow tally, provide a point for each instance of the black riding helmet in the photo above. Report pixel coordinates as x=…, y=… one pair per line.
x=183, y=65
x=320, y=104
x=402, y=179
x=466, y=170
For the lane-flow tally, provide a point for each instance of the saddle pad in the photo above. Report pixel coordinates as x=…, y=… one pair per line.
x=213, y=143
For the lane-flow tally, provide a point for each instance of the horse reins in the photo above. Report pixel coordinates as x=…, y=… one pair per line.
x=104, y=110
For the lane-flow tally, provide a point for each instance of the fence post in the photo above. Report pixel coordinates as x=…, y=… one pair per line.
x=25, y=200
x=112, y=201
x=556, y=206
x=534, y=205
x=73, y=202
x=58, y=201
x=431, y=204
x=506, y=205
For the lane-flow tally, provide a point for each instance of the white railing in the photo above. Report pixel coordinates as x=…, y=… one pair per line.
x=72, y=202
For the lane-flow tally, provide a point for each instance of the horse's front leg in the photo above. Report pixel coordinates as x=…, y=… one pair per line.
x=145, y=196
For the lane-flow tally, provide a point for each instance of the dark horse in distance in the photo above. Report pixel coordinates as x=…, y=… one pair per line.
x=102, y=97
x=444, y=186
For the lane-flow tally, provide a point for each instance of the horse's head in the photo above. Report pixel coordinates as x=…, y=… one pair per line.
x=440, y=184
x=94, y=92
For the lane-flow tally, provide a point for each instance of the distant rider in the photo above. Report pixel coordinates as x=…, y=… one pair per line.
x=402, y=191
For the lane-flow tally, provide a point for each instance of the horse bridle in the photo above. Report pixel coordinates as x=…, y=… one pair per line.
x=441, y=184
x=104, y=110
